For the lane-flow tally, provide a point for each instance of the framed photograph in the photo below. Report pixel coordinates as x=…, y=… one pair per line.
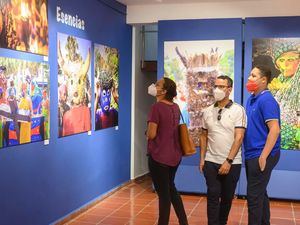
x=194, y=66
x=74, y=84
x=24, y=102
x=282, y=56
x=24, y=25
x=106, y=86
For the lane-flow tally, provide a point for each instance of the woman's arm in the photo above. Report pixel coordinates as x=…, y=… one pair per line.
x=151, y=130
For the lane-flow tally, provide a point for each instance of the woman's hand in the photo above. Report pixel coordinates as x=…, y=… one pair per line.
x=201, y=165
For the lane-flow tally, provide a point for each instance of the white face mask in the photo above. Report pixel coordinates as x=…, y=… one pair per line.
x=152, y=90
x=219, y=94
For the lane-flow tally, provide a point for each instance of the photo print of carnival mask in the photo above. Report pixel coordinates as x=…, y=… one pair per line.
x=106, y=83
x=106, y=86
x=194, y=66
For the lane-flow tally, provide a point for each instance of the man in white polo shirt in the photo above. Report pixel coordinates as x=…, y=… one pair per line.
x=222, y=134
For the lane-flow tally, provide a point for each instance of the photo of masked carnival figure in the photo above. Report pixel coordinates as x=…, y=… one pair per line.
x=24, y=25
x=285, y=85
x=74, y=86
x=106, y=116
x=106, y=87
x=194, y=66
x=21, y=102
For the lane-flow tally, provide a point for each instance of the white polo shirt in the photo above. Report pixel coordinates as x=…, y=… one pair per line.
x=221, y=132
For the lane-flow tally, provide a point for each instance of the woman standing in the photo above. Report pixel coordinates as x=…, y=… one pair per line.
x=164, y=149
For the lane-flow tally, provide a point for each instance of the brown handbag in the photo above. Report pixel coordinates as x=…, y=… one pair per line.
x=186, y=142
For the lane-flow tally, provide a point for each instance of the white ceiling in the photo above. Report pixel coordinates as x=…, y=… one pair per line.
x=151, y=2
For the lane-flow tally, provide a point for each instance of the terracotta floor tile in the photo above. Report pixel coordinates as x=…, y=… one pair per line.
x=115, y=221
x=124, y=213
x=138, y=201
x=297, y=215
x=146, y=216
x=115, y=198
x=79, y=223
x=111, y=205
x=98, y=210
x=197, y=219
x=279, y=221
x=235, y=217
x=136, y=221
x=280, y=203
x=189, y=205
x=148, y=196
x=282, y=213
x=132, y=210
x=173, y=223
x=90, y=218
x=150, y=209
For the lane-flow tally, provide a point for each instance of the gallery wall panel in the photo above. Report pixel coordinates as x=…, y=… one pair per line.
x=268, y=40
x=213, y=38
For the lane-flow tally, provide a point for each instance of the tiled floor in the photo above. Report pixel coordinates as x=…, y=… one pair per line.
x=136, y=204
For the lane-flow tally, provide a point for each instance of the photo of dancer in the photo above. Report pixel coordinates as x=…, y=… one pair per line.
x=74, y=85
x=24, y=102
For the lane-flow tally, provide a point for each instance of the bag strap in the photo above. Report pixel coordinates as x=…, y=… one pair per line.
x=180, y=113
x=181, y=116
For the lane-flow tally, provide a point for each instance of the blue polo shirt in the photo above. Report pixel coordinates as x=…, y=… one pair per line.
x=260, y=109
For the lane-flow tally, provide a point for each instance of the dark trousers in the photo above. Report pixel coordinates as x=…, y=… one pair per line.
x=163, y=179
x=257, y=197
x=220, y=191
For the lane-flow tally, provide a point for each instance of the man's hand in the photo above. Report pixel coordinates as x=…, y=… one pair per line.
x=224, y=169
x=262, y=163
x=201, y=165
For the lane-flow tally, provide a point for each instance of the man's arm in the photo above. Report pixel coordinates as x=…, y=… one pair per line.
x=203, y=148
x=237, y=142
x=274, y=131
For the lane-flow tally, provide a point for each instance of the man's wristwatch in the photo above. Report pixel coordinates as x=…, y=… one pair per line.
x=230, y=161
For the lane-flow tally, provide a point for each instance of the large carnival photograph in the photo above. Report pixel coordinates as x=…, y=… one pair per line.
x=282, y=55
x=24, y=25
x=106, y=86
x=194, y=66
x=24, y=102
x=74, y=84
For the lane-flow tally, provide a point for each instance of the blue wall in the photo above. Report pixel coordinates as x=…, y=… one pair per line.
x=40, y=184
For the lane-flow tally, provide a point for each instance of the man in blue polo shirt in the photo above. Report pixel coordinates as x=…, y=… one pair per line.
x=261, y=143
